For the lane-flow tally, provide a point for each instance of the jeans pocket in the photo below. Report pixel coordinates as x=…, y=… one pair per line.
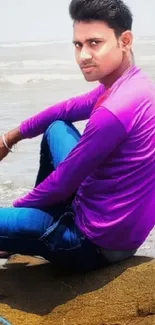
x=63, y=234
x=50, y=230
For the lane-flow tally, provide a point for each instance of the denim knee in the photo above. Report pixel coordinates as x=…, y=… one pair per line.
x=50, y=132
x=25, y=222
x=60, y=138
x=59, y=127
x=56, y=127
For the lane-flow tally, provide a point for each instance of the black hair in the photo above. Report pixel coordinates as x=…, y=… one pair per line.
x=115, y=13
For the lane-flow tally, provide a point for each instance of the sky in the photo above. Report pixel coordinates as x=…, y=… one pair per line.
x=42, y=20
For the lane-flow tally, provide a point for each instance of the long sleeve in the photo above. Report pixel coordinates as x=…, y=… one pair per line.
x=103, y=133
x=75, y=109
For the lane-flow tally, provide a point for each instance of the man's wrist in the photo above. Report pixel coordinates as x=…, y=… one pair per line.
x=14, y=136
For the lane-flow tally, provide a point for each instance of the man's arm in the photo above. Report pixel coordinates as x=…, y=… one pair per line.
x=103, y=133
x=74, y=109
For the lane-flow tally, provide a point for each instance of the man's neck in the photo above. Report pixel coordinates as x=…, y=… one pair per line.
x=109, y=80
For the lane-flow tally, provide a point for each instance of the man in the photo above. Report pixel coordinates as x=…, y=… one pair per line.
x=94, y=195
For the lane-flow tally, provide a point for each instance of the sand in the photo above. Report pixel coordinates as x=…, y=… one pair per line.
x=31, y=292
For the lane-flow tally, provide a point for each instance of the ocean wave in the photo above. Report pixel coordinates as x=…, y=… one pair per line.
x=25, y=44
x=21, y=79
x=35, y=63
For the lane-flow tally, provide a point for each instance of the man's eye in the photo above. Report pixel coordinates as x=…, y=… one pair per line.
x=77, y=45
x=94, y=42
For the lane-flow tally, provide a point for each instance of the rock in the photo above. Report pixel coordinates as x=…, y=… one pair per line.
x=31, y=292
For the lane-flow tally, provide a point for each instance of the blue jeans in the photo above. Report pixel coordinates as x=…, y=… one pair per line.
x=50, y=233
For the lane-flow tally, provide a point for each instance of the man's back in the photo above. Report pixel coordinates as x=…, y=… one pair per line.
x=118, y=198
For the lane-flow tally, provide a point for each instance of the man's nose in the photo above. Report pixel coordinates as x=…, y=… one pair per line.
x=85, y=55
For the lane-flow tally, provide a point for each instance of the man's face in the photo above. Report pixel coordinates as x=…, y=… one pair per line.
x=97, y=50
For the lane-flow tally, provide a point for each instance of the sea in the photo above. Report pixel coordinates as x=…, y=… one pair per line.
x=33, y=76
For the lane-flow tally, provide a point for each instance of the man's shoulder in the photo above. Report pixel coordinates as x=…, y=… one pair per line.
x=131, y=98
x=139, y=84
x=132, y=91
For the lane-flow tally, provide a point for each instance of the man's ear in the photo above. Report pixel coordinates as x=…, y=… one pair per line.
x=127, y=40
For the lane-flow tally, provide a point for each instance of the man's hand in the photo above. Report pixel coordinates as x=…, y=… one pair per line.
x=3, y=150
x=12, y=137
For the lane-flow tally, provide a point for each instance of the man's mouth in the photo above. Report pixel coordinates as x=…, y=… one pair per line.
x=87, y=68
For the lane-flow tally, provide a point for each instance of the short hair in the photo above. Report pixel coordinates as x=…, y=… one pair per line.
x=115, y=13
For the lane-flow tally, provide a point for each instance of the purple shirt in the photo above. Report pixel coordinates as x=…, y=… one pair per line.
x=113, y=166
